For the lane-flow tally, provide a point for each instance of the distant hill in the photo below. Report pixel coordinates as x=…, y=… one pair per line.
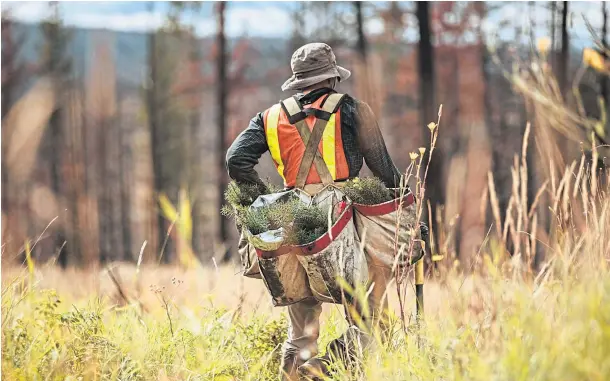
x=130, y=52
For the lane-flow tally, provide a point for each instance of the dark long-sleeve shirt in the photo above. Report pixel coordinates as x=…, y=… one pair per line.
x=362, y=140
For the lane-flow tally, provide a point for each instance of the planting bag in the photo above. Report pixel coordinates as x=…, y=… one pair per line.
x=336, y=254
x=282, y=274
x=247, y=255
x=376, y=226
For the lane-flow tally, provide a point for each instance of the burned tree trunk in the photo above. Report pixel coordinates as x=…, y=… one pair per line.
x=604, y=41
x=153, y=122
x=553, y=29
x=563, y=69
x=58, y=66
x=435, y=186
x=221, y=118
x=563, y=64
x=15, y=222
x=364, y=72
x=361, y=45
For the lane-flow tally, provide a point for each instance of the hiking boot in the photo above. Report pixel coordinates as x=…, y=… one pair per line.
x=314, y=369
x=345, y=349
x=290, y=362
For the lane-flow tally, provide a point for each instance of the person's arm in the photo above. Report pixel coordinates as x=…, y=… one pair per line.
x=373, y=146
x=246, y=150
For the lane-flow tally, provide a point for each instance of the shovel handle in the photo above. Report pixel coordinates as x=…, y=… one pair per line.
x=419, y=288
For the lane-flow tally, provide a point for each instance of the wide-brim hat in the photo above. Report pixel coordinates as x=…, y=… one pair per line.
x=313, y=63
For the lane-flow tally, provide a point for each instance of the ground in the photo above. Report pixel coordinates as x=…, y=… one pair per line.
x=216, y=325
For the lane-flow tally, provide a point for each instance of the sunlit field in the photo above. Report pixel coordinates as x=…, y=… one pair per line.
x=496, y=317
x=504, y=323
x=190, y=326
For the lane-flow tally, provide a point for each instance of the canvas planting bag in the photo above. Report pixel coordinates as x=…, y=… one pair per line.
x=247, y=255
x=388, y=229
x=279, y=267
x=335, y=255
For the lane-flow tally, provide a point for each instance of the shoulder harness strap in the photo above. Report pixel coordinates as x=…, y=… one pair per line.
x=332, y=103
x=296, y=116
x=293, y=109
x=295, y=112
x=329, y=106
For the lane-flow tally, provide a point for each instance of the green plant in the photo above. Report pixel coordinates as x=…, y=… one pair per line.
x=261, y=339
x=269, y=217
x=310, y=223
x=239, y=197
x=256, y=221
x=302, y=223
x=367, y=191
x=241, y=194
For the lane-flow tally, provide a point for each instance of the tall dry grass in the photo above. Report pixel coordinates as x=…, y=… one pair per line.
x=505, y=320
x=503, y=323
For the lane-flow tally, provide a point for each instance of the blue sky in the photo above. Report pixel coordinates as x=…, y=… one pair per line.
x=269, y=18
x=256, y=18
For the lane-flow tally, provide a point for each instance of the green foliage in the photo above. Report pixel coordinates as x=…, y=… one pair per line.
x=256, y=221
x=241, y=194
x=302, y=223
x=262, y=339
x=45, y=343
x=367, y=191
x=282, y=214
x=310, y=223
x=48, y=340
x=239, y=197
x=556, y=330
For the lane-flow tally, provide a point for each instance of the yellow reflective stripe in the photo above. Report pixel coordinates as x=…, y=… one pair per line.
x=273, y=140
x=328, y=146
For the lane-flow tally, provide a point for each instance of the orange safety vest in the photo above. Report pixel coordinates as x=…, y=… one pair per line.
x=286, y=144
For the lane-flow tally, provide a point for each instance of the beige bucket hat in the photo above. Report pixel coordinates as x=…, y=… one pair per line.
x=311, y=64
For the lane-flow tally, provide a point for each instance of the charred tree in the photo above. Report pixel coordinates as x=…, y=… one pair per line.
x=152, y=102
x=15, y=212
x=361, y=44
x=604, y=41
x=196, y=136
x=56, y=64
x=435, y=186
x=563, y=67
x=221, y=120
x=563, y=64
x=364, y=81
x=298, y=38
x=12, y=70
x=553, y=29
x=11, y=76
x=125, y=164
